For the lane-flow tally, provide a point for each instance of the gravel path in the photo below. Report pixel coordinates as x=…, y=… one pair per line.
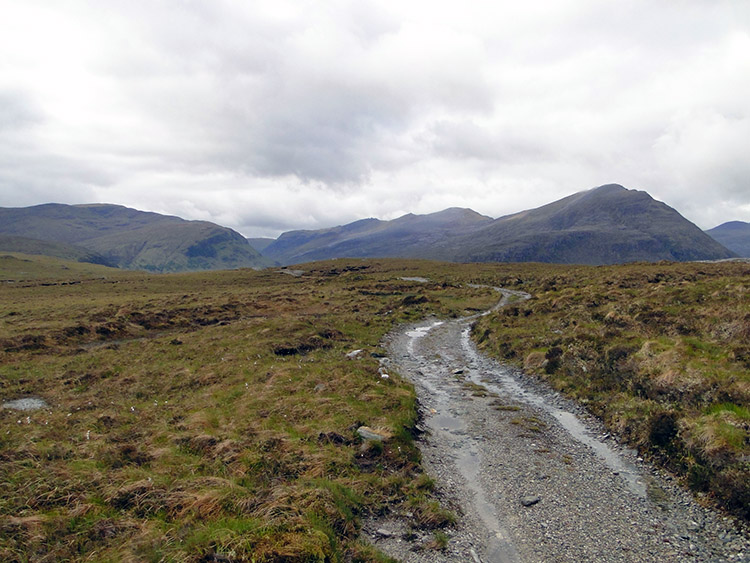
x=530, y=474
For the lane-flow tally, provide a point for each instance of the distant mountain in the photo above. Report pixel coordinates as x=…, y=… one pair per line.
x=606, y=225
x=735, y=235
x=128, y=238
x=410, y=236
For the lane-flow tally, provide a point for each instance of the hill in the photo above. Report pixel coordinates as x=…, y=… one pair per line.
x=25, y=245
x=606, y=225
x=127, y=238
x=735, y=235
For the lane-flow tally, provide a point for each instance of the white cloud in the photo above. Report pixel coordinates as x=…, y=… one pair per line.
x=267, y=116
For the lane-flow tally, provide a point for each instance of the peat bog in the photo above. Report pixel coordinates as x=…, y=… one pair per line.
x=213, y=416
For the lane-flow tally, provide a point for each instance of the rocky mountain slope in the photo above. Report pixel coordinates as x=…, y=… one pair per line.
x=735, y=235
x=126, y=238
x=607, y=225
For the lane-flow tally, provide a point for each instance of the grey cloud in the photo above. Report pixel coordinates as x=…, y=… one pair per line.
x=30, y=179
x=468, y=140
x=323, y=100
x=706, y=148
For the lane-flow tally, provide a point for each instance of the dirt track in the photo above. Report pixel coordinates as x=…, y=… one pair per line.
x=531, y=475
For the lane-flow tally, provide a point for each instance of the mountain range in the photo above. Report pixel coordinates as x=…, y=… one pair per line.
x=605, y=225
x=125, y=238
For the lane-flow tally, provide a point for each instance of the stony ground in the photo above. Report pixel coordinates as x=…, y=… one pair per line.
x=530, y=475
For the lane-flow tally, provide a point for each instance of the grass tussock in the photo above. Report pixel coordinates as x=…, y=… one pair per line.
x=209, y=416
x=659, y=351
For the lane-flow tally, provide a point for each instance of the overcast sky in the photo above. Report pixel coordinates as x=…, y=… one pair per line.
x=267, y=116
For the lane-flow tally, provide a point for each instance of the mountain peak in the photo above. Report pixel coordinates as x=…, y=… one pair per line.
x=461, y=213
x=610, y=188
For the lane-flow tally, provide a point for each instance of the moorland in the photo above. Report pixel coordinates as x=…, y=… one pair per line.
x=215, y=415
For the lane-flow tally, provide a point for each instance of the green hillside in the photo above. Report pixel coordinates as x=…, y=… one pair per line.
x=132, y=239
x=16, y=267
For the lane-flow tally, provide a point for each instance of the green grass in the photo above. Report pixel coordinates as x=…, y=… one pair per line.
x=209, y=415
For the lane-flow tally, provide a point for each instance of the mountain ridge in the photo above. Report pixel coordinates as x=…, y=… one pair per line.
x=604, y=225
x=407, y=236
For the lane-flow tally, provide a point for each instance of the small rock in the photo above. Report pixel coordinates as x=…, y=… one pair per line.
x=319, y=387
x=382, y=532
x=26, y=404
x=354, y=354
x=530, y=500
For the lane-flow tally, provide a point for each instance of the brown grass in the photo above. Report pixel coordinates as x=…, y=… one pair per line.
x=186, y=416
